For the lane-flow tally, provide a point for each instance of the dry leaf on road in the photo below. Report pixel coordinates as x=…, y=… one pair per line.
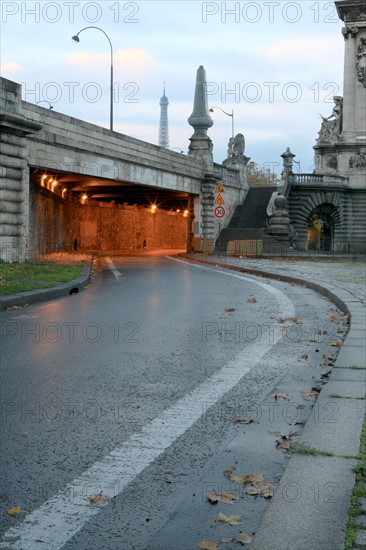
x=232, y=520
x=231, y=309
x=98, y=500
x=294, y=422
x=279, y=396
x=226, y=498
x=208, y=545
x=244, y=538
x=253, y=299
x=14, y=511
x=243, y=420
x=326, y=373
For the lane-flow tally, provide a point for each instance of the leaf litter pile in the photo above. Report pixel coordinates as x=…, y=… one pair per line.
x=253, y=484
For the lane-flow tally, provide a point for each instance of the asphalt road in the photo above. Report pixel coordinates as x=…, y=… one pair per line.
x=129, y=390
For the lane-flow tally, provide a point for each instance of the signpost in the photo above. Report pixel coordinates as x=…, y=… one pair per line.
x=219, y=208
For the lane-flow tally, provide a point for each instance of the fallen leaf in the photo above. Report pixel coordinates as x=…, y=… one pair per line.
x=253, y=478
x=294, y=422
x=284, y=445
x=232, y=520
x=252, y=490
x=14, y=511
x=336, y=344
x=309, y=395
x=320, y=331
x=266, y=491
x=227, y=498
x=208, y=545
x=304, y=357
x=253, y=299
x=243, y=420
x=274, y=433
x=231, y=309
x=98, y=500
x=244, y=538
x=229, y=471
x=288, y=436
x=336, y=319
x=279, y=396
x=294, y=320
x=326, y=373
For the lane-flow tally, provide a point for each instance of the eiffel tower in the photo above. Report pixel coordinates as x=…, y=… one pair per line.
x=163, y=127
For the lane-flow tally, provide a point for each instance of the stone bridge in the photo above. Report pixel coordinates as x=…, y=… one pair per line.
x=68, y=183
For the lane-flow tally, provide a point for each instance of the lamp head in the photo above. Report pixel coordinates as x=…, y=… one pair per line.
x=75, y=38
x=211, y=110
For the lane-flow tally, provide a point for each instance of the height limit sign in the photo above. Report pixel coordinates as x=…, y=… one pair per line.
x=219, y=208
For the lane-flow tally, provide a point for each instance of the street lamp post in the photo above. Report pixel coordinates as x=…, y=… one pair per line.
x=228, y=114
x=77, y=39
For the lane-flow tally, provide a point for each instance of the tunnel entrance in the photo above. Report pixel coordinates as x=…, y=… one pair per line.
x=72, y=212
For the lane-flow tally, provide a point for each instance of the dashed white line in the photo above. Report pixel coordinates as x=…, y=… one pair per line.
x=113, y=268
x=64, y=514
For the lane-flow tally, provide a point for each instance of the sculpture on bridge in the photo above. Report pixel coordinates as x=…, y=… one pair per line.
x=235, y=151
x=332, y=125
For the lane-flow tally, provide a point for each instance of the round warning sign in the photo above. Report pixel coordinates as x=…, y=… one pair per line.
x=219, y=212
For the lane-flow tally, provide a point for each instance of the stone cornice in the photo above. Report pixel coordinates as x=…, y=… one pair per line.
x=351, y=10
x=18, y=124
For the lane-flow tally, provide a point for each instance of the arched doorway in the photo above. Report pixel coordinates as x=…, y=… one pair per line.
x=321, y=229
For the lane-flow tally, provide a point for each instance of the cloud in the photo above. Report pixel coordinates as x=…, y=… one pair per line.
x=301, y=49
x=10, y=67
x=131, y=60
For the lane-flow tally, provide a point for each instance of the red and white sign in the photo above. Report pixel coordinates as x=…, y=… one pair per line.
x=219, y=212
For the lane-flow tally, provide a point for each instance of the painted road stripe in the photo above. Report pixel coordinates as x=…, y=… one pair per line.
x=113, y=268
x=64, y=514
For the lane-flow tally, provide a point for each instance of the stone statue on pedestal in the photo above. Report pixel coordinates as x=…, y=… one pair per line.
x=235, y=151
x=332, y=125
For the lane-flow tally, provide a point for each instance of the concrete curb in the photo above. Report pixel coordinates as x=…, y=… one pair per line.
x=312, y=525
x=45, y=294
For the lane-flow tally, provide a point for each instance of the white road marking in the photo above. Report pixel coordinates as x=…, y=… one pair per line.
x=113, y=268
x=64, y=514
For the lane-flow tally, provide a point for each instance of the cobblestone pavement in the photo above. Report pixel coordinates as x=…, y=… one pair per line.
x=346, y=274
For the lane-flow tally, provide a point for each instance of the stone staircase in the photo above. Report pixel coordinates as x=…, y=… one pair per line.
x=249, y=220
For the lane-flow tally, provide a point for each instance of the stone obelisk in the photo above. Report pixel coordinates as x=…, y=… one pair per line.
x=201, y=145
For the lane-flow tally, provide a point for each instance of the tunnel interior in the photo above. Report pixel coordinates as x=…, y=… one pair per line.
x=70, y=211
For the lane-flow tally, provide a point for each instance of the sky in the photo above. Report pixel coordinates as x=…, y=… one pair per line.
x=275, y=64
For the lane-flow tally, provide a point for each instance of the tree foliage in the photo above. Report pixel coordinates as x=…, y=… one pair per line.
x=260, y=177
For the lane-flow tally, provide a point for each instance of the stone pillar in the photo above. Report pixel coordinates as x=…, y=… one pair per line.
x=201, y=145
x=353, y=13
x=14, y=183
x=349, y=86
x=201, y=148
x=279, y=222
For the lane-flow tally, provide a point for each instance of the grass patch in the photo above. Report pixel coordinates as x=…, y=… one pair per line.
x=337, y=396
x=359, y=491
x=354, y=367
x=303, y=449
x=20, y=277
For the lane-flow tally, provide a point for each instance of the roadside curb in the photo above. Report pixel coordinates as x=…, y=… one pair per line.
x=45, y=294
x=335, y=471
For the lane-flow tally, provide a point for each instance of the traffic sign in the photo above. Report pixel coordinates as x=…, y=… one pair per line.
x=219, y=212
x=220, y=188
x=219, y=199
